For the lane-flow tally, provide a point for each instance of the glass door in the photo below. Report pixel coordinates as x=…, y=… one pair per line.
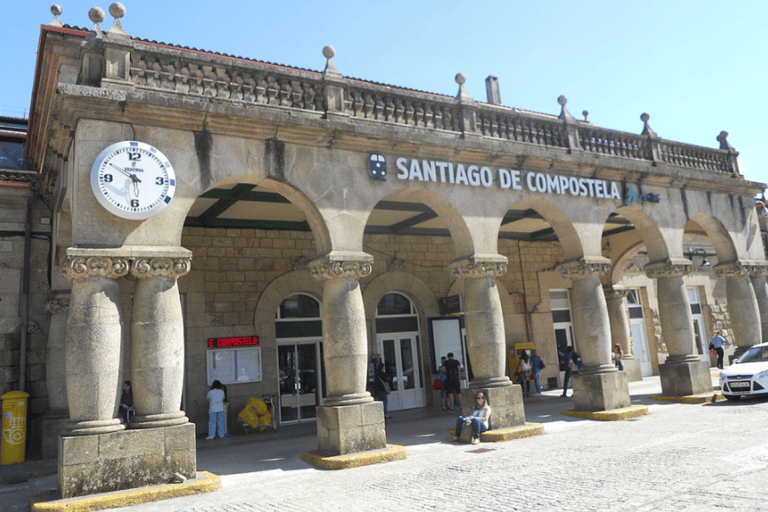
x=401, y=363
x=300, y=381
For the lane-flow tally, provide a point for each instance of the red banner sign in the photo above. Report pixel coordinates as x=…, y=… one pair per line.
x=233, y=342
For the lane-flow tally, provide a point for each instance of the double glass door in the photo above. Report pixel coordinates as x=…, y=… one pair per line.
x=300, y=380
x=401, y=361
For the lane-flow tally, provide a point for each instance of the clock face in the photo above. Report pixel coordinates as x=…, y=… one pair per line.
x=133, y=180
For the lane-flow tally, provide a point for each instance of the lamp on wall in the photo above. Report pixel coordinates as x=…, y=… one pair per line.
x=700, y=252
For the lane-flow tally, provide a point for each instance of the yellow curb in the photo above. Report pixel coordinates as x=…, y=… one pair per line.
x=388, y=454
x=633, y=411
x=204, y=482
x=701, y=398
x=508, y=434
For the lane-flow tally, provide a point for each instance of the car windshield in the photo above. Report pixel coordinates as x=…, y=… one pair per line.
x=753, y=355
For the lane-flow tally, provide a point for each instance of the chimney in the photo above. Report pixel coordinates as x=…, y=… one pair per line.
x=492, y=90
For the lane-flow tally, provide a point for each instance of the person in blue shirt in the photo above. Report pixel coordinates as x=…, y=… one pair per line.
x=717, y=345
x=538, y=364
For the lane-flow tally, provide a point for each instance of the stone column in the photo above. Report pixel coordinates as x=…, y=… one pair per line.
x=56, y=418
x=742, y=305
x=683, y=373
x=157, y=339
x=486, y=340
x=94, y=330
x=760, y=284
x=598, y=385
x=98, y=454
x=618, y=314
x=349, y=420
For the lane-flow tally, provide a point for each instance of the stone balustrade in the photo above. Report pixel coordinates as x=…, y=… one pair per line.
x=192, y=72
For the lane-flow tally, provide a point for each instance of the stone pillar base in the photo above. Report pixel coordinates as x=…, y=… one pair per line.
x=350, y=428
x=600, y=391
x=506, y=403
x=124, y=460
x=632, y=369
x=685, y=378
x=51, y=425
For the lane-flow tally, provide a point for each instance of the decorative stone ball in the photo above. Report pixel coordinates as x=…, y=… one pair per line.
x=329, y=51
x=562, y=99
x=461, y=78
x=96, y=14
x=56, y=10
x=117, y=10
x=644, y=117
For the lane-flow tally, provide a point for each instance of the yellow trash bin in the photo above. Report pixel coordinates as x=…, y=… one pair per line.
x=14, y=427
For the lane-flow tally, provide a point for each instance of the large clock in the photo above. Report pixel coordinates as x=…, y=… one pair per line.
x=133, y=180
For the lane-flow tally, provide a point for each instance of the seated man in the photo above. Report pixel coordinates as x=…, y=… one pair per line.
x=479, y=419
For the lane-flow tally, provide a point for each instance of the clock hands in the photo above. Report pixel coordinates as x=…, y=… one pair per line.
x=135, y=179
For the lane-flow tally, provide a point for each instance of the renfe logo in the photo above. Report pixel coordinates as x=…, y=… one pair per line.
x=377, y=167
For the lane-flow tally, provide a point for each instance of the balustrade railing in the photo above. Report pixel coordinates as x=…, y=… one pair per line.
x=267, y=84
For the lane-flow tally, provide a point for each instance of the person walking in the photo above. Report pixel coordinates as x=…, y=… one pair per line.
x=452, y=382
x=567, y=366
x=442, y=376
x=382, y=385
x=537, y=364
x=618, y=355
x=717, y=345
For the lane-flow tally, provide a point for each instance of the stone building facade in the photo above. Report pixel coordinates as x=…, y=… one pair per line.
x=317, y=225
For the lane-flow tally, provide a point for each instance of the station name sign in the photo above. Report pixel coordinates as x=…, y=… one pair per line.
x=242, y=341
x=437, y=171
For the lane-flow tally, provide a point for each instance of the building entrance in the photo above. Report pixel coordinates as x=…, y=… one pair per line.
x=397, y=325
x=299, y=378
x=401, y=363
x=298, y=330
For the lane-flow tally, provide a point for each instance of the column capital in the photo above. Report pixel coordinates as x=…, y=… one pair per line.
x=614, y=293
x=138, y=261
x=755, y=268
x=161, y=267
x=82, y=267
x=673, y=267
x=340, y=265
x=732, y=269
x=584, y=268
x=480, y=265
x=57, y=303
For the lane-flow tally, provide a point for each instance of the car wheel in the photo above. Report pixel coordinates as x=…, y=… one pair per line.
x=734, y=398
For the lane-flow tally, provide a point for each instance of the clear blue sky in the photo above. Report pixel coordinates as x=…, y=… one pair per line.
x=696, y=66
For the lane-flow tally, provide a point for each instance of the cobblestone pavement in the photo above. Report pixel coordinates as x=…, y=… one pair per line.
x=679, y=457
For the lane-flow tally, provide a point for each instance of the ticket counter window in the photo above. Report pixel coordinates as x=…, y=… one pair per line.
x=298, y=330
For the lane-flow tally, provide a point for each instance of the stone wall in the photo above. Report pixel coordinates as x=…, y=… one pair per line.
x=231, y=268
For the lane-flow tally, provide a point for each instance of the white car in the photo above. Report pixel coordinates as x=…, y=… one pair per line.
x=748, y=375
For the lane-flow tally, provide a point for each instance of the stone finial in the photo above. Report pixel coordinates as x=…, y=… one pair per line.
x=117, y=10
x=330, y=68
x=96, y=15
x=462, y=95
x=647, y=130
x=723, y=140
x=56, y=10
x=564, y=114
x=585, y=113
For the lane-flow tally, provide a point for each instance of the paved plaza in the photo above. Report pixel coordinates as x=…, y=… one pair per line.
x=679, y=457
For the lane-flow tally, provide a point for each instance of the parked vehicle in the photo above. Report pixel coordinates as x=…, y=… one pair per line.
x=748, y=375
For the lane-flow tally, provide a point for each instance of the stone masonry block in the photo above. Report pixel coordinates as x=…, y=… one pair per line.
x=75, y=450
x=601, y=392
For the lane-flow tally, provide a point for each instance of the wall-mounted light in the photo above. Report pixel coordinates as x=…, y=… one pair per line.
x=703, y=254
